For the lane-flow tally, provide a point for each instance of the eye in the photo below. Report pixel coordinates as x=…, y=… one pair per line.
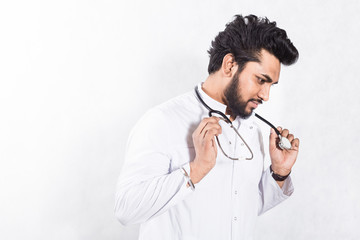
x=261, y=80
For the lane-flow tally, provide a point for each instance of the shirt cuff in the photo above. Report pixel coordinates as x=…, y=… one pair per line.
x=286, y=190
x=188, y=182
x=288, y=187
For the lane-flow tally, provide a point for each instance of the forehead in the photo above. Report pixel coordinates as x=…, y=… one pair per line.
x=268, y=65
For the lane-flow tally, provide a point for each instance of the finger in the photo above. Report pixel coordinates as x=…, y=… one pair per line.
x=209, y=126
x=273, y=138
x=295, y=144
x=212, y=131
x=285, y=133
x=209, y=137
x=214, y=119
x=213, y=144
x=204, y=122
x=290, y=137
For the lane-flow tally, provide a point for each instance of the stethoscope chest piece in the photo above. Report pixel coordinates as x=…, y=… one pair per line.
x=284, y=143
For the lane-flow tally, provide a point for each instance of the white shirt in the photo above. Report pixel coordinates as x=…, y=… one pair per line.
x=225, y=203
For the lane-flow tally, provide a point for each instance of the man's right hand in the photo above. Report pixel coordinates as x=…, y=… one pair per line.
x=205, y=148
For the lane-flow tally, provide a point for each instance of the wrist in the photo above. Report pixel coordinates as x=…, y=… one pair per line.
x=279, y=176
x=280, y=171
x=196, y=172
x=185, y=170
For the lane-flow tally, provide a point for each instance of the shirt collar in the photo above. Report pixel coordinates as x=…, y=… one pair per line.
x=212, y=103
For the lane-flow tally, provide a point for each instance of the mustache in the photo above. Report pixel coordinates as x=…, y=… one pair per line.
x=256, y=100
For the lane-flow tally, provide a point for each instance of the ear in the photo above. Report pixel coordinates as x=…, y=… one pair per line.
x=229, y=66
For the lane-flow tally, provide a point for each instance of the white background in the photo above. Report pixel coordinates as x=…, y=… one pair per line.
x=76, y=75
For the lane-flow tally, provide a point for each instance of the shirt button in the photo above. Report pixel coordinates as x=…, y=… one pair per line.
x=235, y=218
x=235, y=192
x=242, y=144
x=229, y=142
x=251, y=127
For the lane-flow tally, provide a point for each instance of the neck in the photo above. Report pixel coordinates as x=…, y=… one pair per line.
x=214, y=88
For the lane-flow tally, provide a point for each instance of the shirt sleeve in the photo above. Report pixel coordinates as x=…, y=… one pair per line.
x=146, y=187
x=270, y=193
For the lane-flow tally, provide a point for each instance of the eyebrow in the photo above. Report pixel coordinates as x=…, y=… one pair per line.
x=268, y=79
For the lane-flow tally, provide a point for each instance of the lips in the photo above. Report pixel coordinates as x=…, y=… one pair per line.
x=254, y=103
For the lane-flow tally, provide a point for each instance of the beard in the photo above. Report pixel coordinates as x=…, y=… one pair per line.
x=235, y=103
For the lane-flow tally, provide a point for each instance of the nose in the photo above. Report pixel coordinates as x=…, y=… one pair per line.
x=264, y=93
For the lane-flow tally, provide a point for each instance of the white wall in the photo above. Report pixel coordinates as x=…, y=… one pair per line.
x=76, y=75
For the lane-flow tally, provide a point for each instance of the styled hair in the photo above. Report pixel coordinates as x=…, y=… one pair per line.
x=245, y=37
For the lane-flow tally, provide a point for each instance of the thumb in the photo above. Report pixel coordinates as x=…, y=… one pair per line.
x=272, y=138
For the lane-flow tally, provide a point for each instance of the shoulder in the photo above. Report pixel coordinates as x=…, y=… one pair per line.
x=182, y=104
x=176, y=112
x=180, y=110
x=175, y=119
x=177, y=105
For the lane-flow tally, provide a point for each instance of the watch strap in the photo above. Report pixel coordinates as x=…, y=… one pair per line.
x=278, y=177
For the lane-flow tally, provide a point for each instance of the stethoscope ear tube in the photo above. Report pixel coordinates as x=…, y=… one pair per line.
x=223, y=116
x=284, y=143
x=268, y=123
x=228, y=121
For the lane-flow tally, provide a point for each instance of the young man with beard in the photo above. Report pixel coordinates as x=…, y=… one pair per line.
x=176, y=182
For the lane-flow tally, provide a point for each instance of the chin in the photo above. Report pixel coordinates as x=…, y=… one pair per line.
x=250, y=111
x=246, y=115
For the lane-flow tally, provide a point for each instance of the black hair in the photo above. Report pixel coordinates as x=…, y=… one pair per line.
x=245, y=37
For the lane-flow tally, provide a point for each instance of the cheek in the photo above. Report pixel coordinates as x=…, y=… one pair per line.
x=249, y=91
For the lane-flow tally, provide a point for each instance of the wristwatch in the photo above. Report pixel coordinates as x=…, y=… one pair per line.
x=278, y=177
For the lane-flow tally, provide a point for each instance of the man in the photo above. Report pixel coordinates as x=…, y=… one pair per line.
x=176, y=182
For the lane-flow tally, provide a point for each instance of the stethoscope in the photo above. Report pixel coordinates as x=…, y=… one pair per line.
x=284, y=143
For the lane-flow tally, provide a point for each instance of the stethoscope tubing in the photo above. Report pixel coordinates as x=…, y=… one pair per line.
x=226, y=118
x=228, y=121
x=283, y=144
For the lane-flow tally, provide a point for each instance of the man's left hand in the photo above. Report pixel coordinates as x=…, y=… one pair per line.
x=282, y=160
